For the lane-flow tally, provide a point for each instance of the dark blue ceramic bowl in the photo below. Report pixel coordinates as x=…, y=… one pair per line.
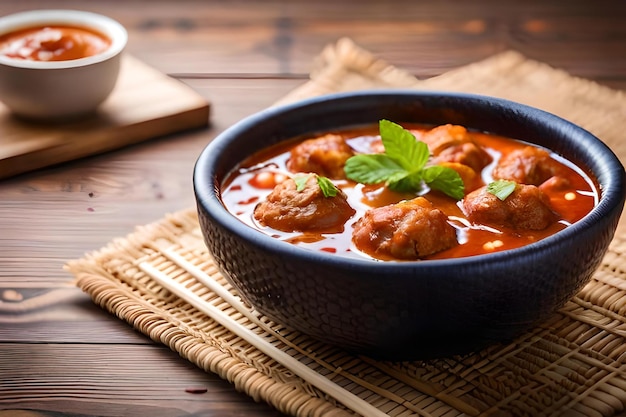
x=407, y=310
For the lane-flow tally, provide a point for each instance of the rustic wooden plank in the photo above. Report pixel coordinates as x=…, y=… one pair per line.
x=59, y=315
x=422, y=46
x=98, y=328
x=427, y=38
x=110, y=380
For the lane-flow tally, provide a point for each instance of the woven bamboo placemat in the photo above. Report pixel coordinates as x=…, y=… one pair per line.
x=574, y=364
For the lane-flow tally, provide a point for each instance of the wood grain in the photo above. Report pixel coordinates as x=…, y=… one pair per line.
x=37, y=376
x=70, y=357
x=199, y=38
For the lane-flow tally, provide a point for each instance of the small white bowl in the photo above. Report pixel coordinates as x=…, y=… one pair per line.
x=58, y=90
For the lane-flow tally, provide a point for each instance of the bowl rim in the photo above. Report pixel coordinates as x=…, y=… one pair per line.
x=206, y=186
x=32, y=18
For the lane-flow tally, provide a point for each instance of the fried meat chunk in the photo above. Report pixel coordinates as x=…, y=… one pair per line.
x=325, y=155
x=529, y=165
x=526, y=208
x=288, y=209
x=408, y=230
x=452, y=143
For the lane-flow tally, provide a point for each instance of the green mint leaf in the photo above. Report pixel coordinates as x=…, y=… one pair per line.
x=501, y=188
x=444, y=179
x=401, y=146
x=300, y=181
x=328, y=188
x=402, y=166
x=409, y=182
x=372, y=168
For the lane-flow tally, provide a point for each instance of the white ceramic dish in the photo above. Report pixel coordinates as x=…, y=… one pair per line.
x=60, y=89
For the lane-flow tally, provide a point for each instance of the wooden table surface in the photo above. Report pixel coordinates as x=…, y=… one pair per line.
x=69, y=357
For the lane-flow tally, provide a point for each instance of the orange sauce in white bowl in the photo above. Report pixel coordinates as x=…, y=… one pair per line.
x=53, y=43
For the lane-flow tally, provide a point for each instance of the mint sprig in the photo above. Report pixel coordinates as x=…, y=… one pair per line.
x=402, y=167
x=300, y=181
x=501, y=188
x=401, y=146
x=328, y=188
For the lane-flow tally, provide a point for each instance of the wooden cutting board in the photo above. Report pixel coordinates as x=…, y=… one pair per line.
x=144, y=104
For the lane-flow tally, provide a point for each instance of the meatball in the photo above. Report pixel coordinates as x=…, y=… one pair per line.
x=526, y=208
x=452, y=143
x=288, y=209
x=529, y=165
x=325, y=156
x=408, y=230
x=554, y=184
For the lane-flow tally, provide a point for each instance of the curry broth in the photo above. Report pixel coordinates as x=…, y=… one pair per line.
x=53, y=43
x=253, y=181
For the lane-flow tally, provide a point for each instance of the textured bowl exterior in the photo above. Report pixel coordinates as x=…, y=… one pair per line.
x=407, y=310
x=59, y=90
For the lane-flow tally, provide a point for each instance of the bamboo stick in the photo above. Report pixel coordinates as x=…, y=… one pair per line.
x=212, y=284
x=340, y=394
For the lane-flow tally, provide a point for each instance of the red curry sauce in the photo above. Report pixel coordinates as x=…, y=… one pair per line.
x=257, y=175
x=53, y=43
